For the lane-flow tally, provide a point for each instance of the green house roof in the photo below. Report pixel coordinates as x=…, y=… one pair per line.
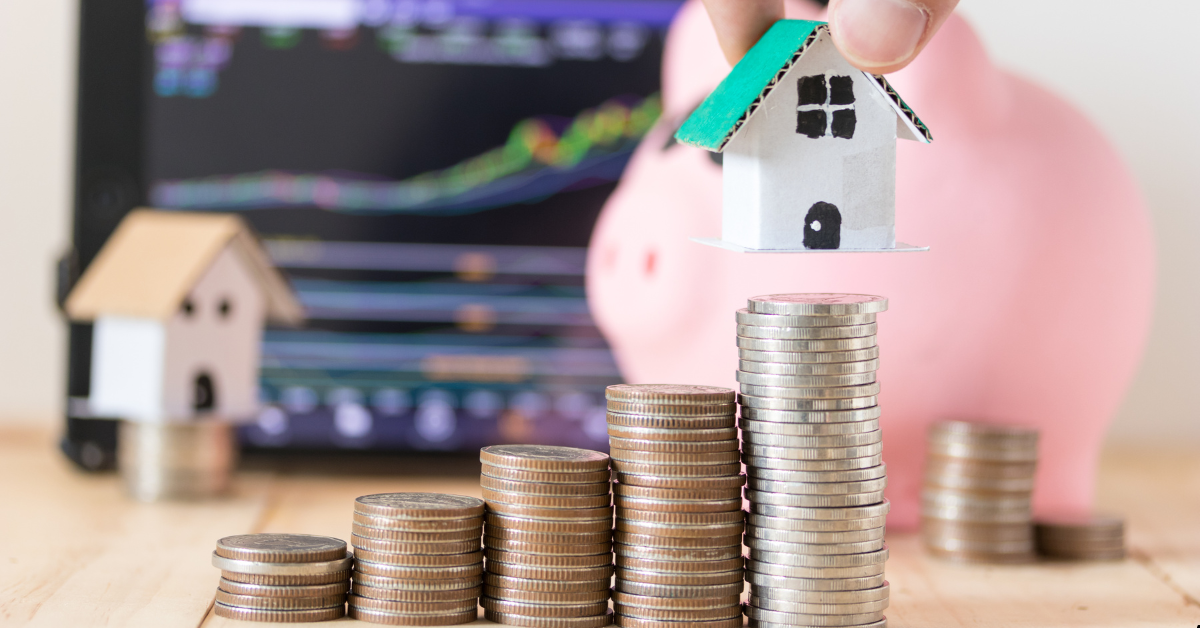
x=715, y=121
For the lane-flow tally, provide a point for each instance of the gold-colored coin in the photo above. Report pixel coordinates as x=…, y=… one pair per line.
x=823, y=369
x=543, y=549
x=677, y=614
x=679, y=579
x=544, y=458
x=677, y=470
x=266, y=590
x=401, y=595
x=547, y=526
x=413, y=608
x=598, y=621
x=417, y=538
x=546, y=501
x=284, y=617
x=770, y=401
x=551, y=490
x=818, y=501
x=512, y=535
x=552, y=586
x=287, y=581
x=675, y=435
x=793, y=571
x=531, y=572
x=679, y=530
x=817, y=488
x=781, y=547
x=801, y=619
x=783, y=583
x=543, y=610
x=746, y=317
x=402, y=619
x=403, y=547
x=668, y=591
x=281, y=548
x=809, y=357
x=818, y=477
x=414, y=585
x=421, y=506
x=625, y=621
x=556, y=514
x=821, y=417
x=280, y=603
x=683, y=518
x=670, y=394
x=280, y=569
x=676, y=566
x=676, y=542
x=686, y=447
x=417, y=525
x=547, y=560
x=693, y=420
x=789, y=464
x=419, y=560
x=682, y=483
x=687, y=554
x=537, y=477
x=544, y=597
x=815, y=525
x=835, y=441
x=417, y=573
x=816, y=538
x=876, y=594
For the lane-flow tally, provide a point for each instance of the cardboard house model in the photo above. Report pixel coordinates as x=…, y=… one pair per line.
x=179, y=301
x=809, y=147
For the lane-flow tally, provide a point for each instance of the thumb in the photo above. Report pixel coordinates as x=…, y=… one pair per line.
x=739, y=23
x=881, y=36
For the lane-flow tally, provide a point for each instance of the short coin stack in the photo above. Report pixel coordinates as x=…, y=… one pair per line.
x=163, y=461
x=548, y=538
x=679, y=506
x=417, y=560
x=976, y=504
x=281, y=577
x=1093, y=537
x=813, y=451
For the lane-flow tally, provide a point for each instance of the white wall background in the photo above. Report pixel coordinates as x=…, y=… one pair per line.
x=1133, y=70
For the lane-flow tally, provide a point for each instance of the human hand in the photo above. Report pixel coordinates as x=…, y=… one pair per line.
x=876, y=36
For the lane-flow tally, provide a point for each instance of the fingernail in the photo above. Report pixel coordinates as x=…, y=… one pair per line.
x=879, y=32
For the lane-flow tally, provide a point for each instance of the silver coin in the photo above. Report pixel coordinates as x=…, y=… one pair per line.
x=815, y=525
x=809, y=381
x=424, y=506
x=808, y=429
x=817, y=501
x=678, y=394
x=671, y=591
x=817, y=488
x=281, y=569
x=815, y=584
x=817, y=608
x=980, y=516
x=811, y=453
x=818, y=477
x=844, y=464
x=673, y=554
x=817, y=304
x=794, y=571
x=943, y=497
x=837, y=392
x=1024, y=454
x=966, y=483
x=800, y=619
x=281, y=548
x=756, y=623
x=824, y=514
x=805, y=405
x=835, y=440
x=877, y=557
x=745, y=317
x=809, y=357
x=815, y=417
x=544, y=458
x=814, y=538
x=807, y=346
x=860, y=547
x=823, y=597
x=806, y=333
x=816, y=370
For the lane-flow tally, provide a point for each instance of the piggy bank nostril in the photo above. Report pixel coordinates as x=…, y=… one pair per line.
x=651, y=262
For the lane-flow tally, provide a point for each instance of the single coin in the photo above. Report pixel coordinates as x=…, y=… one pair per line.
x=552, y=586
x=280, y=569
x=542, y=549
x=877, y=557
x=543, y=610
x=991, y=547
x=677, y=435
x=982, y=442
x=624, y=621
x=544, y=458
x=809, y=430
x=410, y=584
x=547, y=489
x=836, y=441
x=839, y=392
x=664, y=506
x=984, y=430
x=419, y=560
x=667, y=591
x=820, y=369
x=676, y=542
x=417, y=538
x=814, y=501
x=417, y=573
x=546, y=501
x=677, y=470
x=685, y=415
x=537, y=477
x=821, y=417
x=980, y=515
x=815, y=525
x=810, y=584
x=825, y=514
x=770, y=401
x=689, y=447
x=816, y=538
x=801, y=619
x=791, y=464
x=675, y=494
x=683, y=518
x=417, y=525
x=876, y=594
x=809, y=357
x=755, y=623
x=423, y=506
x=981, y=469
x=680, y=554
x=401, y=595
x=676, y=614
x=816, y=346
x=288, y=617
x=674, y=394
x=982, y=558
x=990, y=485
x=817, y=304
x=817, y=488
x=811, y=608
x=811, y=453
x=978, y=453
x=287, y=581
x=814, y=548
x=264, y=590
x=512, y=619
x=682, y=483
x=805, y=381
x=818, y=477
x=555, y=514
x=547, y=560
x=948, y=497
x=402, y=619
x=544, y=597
x=279, y=603
x=547, y=526
x=512, y=535
x=678, y=530
x=806, y=333
x=677, y=566
x=281, y=548
x=667, y=458
x=404, y=547
x=679, y=579
x=793, y=571
x=550, y=573
x=413, y=608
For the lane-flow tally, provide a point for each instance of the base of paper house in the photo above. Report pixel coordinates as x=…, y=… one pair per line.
x=901, y=247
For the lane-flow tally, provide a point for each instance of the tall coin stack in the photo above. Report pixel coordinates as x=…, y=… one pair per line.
x=417, y=560
x=548, y=536
x=281, y=577
x=976, y=504
x=813, y=451
x=679, y=506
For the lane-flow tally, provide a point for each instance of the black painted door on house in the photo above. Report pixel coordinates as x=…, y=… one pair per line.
x=823, y=226
x=204, y=397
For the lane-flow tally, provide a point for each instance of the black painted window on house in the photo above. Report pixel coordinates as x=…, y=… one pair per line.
x=826, y=106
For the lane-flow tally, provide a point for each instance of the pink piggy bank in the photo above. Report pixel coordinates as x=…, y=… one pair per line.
x=1032, y=307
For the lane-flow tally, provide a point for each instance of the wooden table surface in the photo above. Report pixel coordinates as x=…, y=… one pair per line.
x=74, y=551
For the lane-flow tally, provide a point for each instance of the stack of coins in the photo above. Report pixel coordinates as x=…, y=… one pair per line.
x=281, y=577
x=813, y=451
x=161, y=461
x=548, y=538
x=976, y=504
x=679, y=506
x=417, y=560
x=1093, y=537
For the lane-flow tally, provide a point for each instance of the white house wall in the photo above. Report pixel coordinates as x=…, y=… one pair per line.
x=225, y=348
x=774, y=172
x=127, y=358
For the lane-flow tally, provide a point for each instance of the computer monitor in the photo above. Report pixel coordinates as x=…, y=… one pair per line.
x=426, y=173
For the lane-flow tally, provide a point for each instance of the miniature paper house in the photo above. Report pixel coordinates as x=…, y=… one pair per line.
x=809, y=147
x=179, y=301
